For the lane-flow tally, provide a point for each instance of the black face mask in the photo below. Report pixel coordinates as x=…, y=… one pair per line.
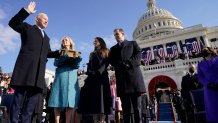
x=205, y=53
x=191, y=70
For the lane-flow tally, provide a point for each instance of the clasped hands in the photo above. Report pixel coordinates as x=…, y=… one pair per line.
x=124, y=65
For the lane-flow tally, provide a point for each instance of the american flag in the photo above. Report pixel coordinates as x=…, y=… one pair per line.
x=161, y=52
x=196, y=47
x=189, y=48
x=161, y=55
x=192, y=45
x=172, y=51
x=148, y=56
x=201, y=44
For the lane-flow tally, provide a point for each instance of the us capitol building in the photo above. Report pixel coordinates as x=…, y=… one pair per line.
x=160, y=34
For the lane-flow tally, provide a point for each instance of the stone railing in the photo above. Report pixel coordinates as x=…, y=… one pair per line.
x=171, y=65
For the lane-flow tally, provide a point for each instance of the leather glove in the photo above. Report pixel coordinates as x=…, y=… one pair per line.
x=125, y=65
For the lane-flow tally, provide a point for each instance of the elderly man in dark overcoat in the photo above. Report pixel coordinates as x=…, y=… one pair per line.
x=125, y=57
x=29, y=71
x=189, y=82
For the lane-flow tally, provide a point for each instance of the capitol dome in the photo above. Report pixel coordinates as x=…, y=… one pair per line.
x=156, y=21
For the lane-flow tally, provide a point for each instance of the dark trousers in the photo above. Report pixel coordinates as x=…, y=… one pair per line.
x=23, y=105
x=189, y=113
x=130, y=101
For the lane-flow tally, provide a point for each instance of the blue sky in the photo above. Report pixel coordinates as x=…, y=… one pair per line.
x=83, y=20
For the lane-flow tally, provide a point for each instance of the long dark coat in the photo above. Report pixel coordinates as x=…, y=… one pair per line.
x=29, y=70
x=189, y=82
x=91, y=98
x=128, y=80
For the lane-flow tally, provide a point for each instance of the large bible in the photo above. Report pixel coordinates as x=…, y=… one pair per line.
x=70, y=53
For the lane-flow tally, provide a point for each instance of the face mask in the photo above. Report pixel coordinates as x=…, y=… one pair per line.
x=191, y=71
x=205, y=53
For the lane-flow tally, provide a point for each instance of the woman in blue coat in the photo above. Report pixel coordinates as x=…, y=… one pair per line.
x=65, y=89
x=207, y=74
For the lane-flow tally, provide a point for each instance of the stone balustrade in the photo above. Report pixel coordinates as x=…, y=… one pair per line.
x=171, y=65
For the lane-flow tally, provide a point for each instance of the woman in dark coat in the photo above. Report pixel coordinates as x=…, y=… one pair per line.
x=95, y=94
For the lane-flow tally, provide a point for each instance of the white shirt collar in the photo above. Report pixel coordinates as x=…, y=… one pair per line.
x=39, y=27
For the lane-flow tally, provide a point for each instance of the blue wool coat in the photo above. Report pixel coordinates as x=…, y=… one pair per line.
x=65, y=88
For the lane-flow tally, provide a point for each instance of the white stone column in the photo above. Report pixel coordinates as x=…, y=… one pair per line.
x=152, y=52
x=198, y=39
x=206, y=41
x=185, y=49
x=178, y=46
x=165, y=49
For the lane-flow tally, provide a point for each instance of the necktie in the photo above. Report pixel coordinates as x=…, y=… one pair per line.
x=42, y=33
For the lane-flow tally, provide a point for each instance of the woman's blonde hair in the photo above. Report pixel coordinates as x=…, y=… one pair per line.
x=72, y=44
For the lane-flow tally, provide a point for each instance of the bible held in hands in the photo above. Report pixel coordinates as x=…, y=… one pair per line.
x=70, y=53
